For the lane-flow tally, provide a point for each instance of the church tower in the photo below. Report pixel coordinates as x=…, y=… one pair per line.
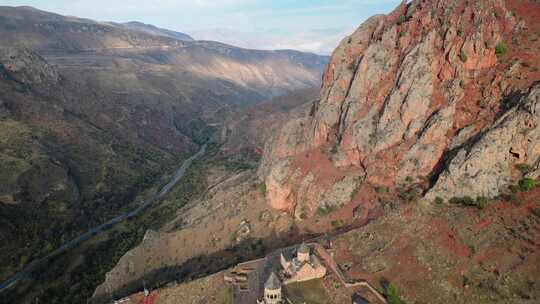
x=272, y=290
x=303, y=253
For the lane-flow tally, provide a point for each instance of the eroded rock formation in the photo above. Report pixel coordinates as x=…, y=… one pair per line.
x=404, y=100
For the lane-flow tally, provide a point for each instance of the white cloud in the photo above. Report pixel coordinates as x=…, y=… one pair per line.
x=322, y=41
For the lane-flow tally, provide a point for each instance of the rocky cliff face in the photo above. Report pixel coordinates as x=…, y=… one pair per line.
x=483, y=165
x=437, y=93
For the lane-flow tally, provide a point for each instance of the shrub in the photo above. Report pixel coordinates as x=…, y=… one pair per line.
x=513, y=189
x=352, y=67
x=463, y=56
x=439, y=200
x=523, y=168
x=527, y=184
x=381, y=189
x=402, y=19
x=465, y=200
x=501, y=49
x=512, y=198
x=23, y=260
x=409, y=194
x=481, y=202
x=262, y=188
x=337, y=224
x=392, y=295
x=325, y=210
x=48, y=247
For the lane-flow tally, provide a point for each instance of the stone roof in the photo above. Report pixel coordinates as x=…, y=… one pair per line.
x=303, y=248
x=273, y=282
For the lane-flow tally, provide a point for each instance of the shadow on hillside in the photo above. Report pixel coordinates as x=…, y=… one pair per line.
x=204, y=265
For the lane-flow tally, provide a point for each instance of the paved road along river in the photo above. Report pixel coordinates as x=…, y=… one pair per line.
x=106, y=226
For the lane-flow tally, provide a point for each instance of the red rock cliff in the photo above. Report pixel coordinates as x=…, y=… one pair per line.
x=407, y=98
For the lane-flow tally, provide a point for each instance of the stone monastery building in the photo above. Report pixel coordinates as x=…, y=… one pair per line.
x=304, y=267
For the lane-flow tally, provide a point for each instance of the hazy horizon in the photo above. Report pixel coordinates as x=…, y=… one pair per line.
x=307, y=25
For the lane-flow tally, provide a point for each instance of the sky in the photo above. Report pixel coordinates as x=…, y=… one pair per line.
x=306, y=25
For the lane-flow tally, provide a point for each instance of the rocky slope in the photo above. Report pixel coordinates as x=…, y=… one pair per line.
x=441, y=94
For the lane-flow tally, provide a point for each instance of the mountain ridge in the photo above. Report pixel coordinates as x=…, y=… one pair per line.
x=152, y=29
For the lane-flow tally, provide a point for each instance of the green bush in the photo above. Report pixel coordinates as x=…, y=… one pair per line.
x=524, y=168
x=410, y=194
x=381, y=189
x=439, y=200
x=527, y=184
x=325, y=210
x=463, y=56
x=402, y=19
x=501, y=49
x=337, y=224
x=392, y=295
x=262, y=188
x=23, y=260
x=465, y=200
x=513, y=189
x=481, y=202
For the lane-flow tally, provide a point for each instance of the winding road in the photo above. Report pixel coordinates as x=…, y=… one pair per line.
x=106, y=226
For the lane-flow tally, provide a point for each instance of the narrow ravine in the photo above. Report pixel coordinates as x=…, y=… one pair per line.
x=179, y=174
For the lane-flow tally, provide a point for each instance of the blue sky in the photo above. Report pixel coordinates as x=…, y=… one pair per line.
x=284, y=23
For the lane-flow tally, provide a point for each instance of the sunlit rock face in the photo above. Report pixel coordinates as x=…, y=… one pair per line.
x=405, y=97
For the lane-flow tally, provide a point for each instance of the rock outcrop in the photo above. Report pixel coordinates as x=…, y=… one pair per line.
x=487, y=164
x=406, y=91
x=26, y=67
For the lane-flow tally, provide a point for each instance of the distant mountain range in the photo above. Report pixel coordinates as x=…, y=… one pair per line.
x=267, y=73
